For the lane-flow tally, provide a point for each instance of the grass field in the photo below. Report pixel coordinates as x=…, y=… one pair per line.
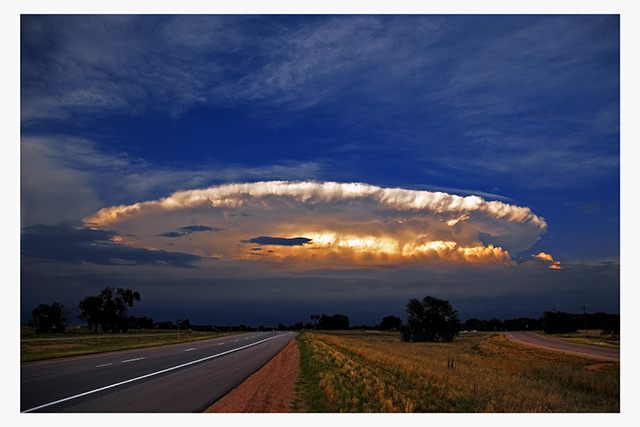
x=35, y=347
x=377, y=372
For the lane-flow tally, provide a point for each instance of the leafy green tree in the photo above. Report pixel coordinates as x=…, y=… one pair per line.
x=432, y=319
x=49, y=318
x=109, y=310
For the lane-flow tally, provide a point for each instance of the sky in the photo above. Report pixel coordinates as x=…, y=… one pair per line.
x=258, y=169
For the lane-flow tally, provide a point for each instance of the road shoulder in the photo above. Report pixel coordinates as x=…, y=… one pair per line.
x=271, y=389
x=554, y=344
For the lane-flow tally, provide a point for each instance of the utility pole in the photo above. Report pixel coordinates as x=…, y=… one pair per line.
x=584, y=311
x=315, y=318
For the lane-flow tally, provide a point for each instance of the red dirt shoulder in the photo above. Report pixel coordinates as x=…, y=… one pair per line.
x=270, y=389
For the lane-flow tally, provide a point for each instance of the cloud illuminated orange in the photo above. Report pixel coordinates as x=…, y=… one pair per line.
x=318, y=225
x=555, y=265
x=544, y=256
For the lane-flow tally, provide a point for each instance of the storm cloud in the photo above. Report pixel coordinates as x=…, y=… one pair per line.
x=185, y=231
x=79, y=245
x=324, y=224
x=278, y=241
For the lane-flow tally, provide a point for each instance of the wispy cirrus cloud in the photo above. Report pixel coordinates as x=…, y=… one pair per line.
x=320, y=225
x=64, y=179
x=178, y=62
x=508, y=88
x=547, y=166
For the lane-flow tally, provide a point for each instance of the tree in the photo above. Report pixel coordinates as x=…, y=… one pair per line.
x=559, y=322
x=109, y=309
x=521, y=324
x=494, y=324
x=91, y=311
x=473, y=324
x=165, y=325
x=390, y=323
x=143, y=322
x=49, y=318
x=432, y=319
x=185, y=324
x=335, y=322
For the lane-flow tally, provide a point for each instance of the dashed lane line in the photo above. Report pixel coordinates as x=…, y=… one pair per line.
x=151, y=374
x=132, y=360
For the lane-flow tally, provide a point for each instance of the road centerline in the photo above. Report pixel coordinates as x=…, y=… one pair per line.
x=132, y=360
x=162, y=371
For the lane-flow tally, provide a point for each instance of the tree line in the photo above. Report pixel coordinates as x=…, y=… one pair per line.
x=551, y=322
x=107, y=311
x=429, y=319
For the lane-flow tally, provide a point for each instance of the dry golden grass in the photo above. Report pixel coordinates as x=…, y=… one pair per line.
x=365, y=372
x=35, y=347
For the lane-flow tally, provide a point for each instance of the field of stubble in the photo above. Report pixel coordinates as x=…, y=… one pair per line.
x=377, y=372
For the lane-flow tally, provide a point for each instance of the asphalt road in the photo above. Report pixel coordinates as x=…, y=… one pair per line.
x=536, y=340
x=178, y=378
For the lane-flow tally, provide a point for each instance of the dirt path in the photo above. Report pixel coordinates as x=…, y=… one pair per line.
x=271, y=389
x=533, y=339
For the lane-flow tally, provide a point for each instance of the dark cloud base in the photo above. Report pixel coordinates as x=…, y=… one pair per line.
x=185, y=231
x=69, y=244
x=278, y=241
x=239, y=293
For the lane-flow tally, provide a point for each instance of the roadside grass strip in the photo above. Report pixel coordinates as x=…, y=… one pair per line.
x=34, y=348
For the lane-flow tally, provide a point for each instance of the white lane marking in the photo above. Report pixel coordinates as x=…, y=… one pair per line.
x=132, y=360
x=221, y=343
x=104, y=364
x=190, y=349
x=152, y=374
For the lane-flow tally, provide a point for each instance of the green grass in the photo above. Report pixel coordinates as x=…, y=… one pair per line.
x=34, y=347
x=365, y=372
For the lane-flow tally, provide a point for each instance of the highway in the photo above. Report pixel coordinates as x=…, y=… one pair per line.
x=178, y=378
x=548, y=343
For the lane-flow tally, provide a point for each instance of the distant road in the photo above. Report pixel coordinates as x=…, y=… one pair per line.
x=536, y=340
x=178, y=378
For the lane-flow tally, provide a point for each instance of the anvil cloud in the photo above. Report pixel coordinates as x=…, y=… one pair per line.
x=324, y=224
x=255, y=169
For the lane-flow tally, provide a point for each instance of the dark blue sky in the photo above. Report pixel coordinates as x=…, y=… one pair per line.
x=118, y=110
